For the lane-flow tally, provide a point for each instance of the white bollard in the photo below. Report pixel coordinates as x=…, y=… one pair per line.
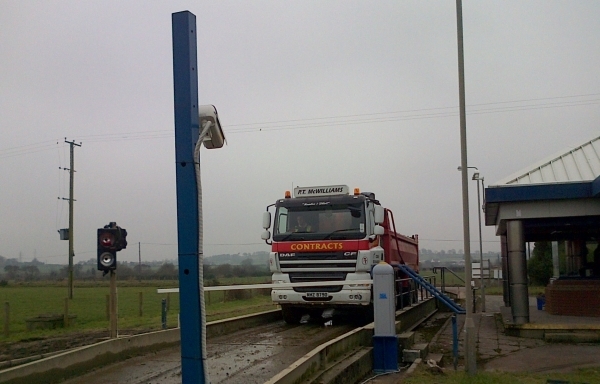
x=385, y=341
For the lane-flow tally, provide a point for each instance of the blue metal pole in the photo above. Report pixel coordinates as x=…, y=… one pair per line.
x=185, y=83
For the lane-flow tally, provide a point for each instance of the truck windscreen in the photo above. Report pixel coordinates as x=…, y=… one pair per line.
x=319, y=220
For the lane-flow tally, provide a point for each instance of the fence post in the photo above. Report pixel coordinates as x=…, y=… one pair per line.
x=66, y=315
x=141, y=304
x=164, y=313
x=6, y=318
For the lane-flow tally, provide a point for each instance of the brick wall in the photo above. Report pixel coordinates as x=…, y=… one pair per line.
x=573, y=298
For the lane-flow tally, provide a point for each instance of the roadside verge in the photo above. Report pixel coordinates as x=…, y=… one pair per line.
x=75, y=362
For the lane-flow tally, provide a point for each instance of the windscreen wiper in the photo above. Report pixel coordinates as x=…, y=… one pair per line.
x=294, y=233
x=338, y=230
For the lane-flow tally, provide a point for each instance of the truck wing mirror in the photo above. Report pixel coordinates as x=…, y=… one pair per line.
x=378, y=230
x=379, y=214
x=266, y=235
x=266, y=220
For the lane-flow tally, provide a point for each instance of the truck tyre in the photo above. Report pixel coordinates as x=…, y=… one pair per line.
x=366, y=315
x=291, y=315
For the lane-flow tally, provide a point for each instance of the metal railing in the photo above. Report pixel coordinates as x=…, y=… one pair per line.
x=442, y=271
x=415, y=292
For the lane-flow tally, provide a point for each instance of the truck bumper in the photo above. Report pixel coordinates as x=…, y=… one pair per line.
x=345, y=297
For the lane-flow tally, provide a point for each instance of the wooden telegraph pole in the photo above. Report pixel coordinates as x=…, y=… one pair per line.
x=71, y=170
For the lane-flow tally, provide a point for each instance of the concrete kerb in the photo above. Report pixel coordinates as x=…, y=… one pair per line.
x=307, y=368
x=63, y=364
x=100, y=352
x=318, y=358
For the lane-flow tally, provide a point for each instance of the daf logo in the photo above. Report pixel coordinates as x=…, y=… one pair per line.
x=292, y=254
x=350, y=253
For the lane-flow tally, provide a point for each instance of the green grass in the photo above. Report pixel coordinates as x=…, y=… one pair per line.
x=89, y=304
x=423, y=376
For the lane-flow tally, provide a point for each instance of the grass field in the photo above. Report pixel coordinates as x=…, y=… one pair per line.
x=89, y=303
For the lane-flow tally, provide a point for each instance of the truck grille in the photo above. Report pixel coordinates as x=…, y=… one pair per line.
x=318, y=266
x=303, y=277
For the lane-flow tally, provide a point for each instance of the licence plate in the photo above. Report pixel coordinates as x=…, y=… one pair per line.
x=316, y=294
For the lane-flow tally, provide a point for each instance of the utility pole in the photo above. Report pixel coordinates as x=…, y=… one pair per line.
x=470, y=352
x=71, y=170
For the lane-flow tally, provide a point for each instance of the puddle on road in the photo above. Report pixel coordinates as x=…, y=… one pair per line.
x=239, y=359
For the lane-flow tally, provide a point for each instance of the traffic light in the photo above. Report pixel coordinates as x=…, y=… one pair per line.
x=111, y=239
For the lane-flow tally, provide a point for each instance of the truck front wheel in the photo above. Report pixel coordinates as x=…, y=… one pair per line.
x=291, y=315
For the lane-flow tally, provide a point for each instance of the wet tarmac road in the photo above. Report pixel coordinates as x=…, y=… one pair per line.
x=249, y=356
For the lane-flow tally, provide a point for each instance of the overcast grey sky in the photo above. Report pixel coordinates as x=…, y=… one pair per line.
x=363, y=93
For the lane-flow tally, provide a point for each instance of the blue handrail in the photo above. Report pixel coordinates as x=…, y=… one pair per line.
x=431, y=289
x=457, y=309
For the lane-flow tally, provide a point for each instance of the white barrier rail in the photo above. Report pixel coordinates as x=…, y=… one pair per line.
x=278, y=285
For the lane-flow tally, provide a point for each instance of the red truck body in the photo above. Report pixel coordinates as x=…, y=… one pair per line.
x=399, y=249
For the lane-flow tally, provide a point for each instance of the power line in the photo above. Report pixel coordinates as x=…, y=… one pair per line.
x=414, y=110
x=457, y=240
x=332, y=121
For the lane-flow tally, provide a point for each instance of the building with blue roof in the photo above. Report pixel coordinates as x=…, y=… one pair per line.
x=556, y=199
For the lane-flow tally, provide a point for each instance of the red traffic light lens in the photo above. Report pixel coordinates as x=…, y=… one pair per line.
x=107, y=239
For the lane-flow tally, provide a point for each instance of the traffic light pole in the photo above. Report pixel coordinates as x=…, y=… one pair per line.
x=185, y=84
x=113, y=305
x=111, y=239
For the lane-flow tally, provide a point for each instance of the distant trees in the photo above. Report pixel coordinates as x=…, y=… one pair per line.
x=26, y=272
x=238, y=265
x=12, y=271
x=31, y=272
x=167, y=271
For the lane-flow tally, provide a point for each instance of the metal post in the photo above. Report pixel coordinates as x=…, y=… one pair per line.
x=6, y=319
x=517, y=266
x=185, y=83
x=141, y=304
x=113, y=305
x=555, y=263
x=454, y=342
x=470, y=353
x=480, y=250
x=163, y=313
x=505, y=283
